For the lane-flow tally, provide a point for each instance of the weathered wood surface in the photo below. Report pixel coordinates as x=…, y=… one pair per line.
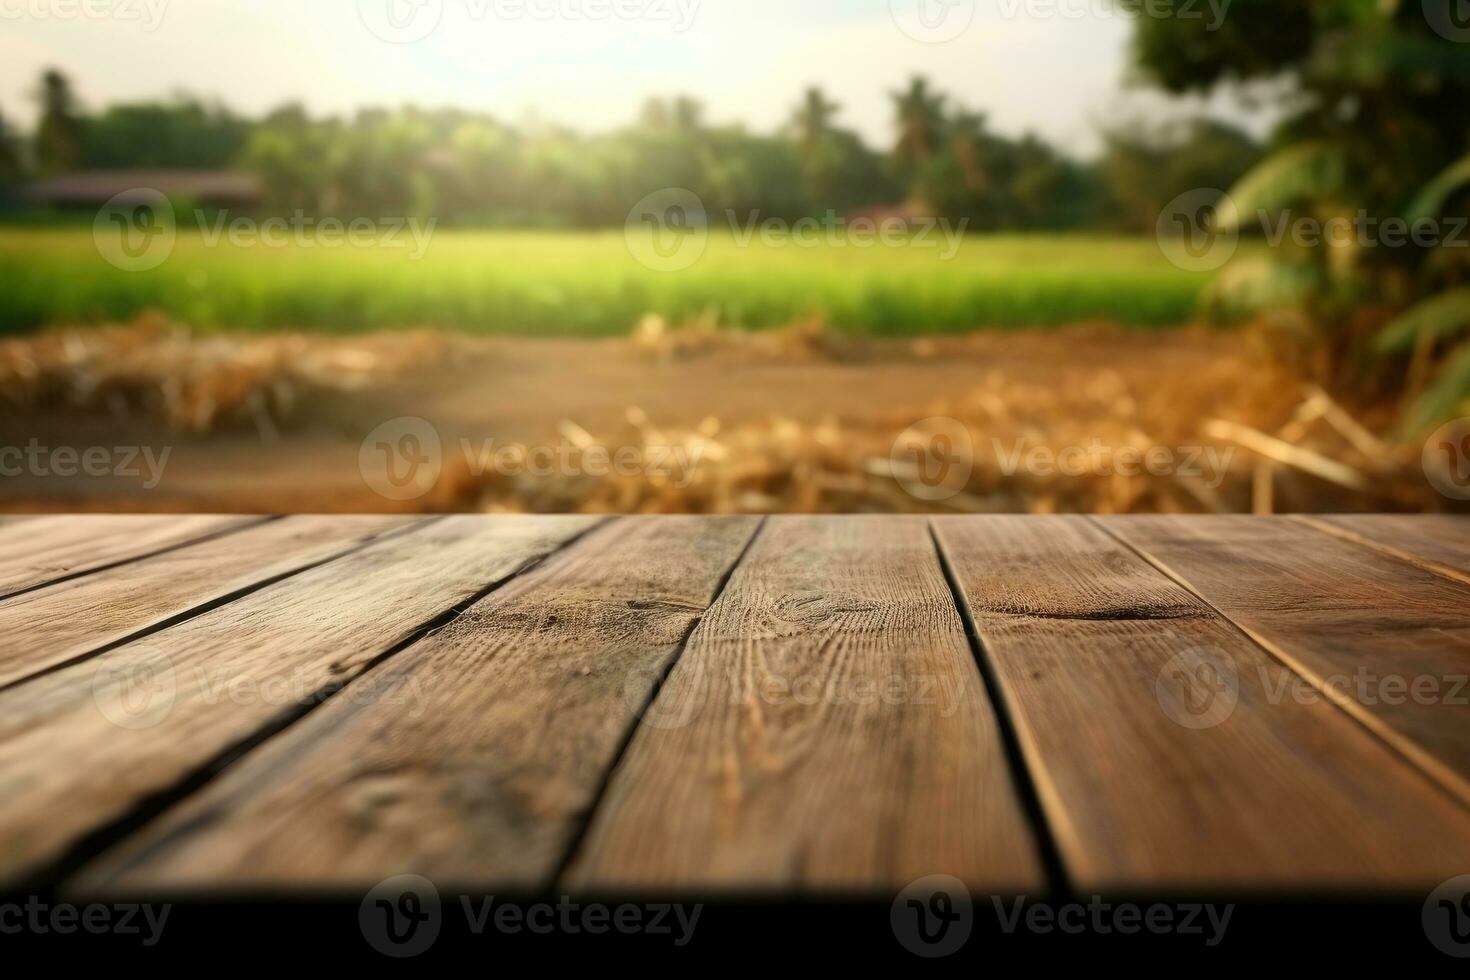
x=62, y=623
x=1218, y=744
x=492, y=745
x=1439, y=542
x=85, y=746
x=47, y=549
x=827, y=729
x=1386, y=639
x=804, y=705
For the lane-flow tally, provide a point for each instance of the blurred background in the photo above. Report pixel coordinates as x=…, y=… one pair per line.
x=712, y=256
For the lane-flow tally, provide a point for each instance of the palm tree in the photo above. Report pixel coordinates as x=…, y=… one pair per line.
x=823, y=151
x=920, y=121
x=10, y=164
x=812, y=121
x=655, y=116
x=59, y=134
x=688, y=115
x=682, y=115
x=967, y=143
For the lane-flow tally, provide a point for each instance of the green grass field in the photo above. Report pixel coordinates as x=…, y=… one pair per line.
x=587, y=284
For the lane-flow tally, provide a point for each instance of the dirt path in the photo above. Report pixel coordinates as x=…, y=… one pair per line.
x=1054, y=389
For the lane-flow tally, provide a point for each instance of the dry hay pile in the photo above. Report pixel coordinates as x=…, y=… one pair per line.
x=1240, y=430
x=158, y=369
x=784, y=466
x=801, y=341
x=1232, y=437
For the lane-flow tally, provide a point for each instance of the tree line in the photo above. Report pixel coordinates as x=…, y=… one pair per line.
x=469, y=168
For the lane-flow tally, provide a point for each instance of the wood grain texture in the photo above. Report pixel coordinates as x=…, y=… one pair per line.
x=47, y=548
x=483, y=771
x=827, y=728
x=1386, y=640
x=1104, y=664
x=61, y=622
x=1439, y=542
x=84, y=746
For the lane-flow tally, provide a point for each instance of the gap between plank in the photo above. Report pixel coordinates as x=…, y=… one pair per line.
x=191, y=542
x=1398, y=554
x=579, y=836
x=1027, y=790
x=195, y=612
x=1446, y=779
x=101, y=839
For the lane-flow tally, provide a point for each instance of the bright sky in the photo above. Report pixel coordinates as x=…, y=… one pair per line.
x=1056, y=67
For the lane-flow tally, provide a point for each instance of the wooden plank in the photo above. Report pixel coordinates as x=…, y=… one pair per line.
x=87, y=746
x=1439, y=542
x=1258, y=790
x=483, y=772
x=827, y=728
x=50, y=548
x=1387, y=640
x=62, y=622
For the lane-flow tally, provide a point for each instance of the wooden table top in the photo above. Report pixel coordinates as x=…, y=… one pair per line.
x=790, y=705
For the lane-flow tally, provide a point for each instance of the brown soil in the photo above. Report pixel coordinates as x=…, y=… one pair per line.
x=793, y=421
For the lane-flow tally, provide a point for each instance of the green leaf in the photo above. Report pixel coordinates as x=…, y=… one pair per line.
x=1293, y=175
x=1447, y=395
x=1373, y=58
x=1439, y=316
x=1252, y=285
x=1431, y=200
x=1367, y=13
